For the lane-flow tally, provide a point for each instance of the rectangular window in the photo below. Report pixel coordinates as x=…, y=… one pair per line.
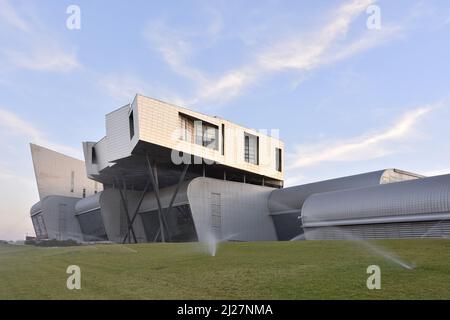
x=72, y=181
x=278, y=159
x=131, y=123
x=223, y=139
x=186, y=129
x=251, y=148
x=94, y=156
x=199, y=132
x=210, y=136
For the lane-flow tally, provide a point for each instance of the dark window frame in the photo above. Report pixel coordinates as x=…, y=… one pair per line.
x=131, y=124
x=279, y=159
x=223, y=139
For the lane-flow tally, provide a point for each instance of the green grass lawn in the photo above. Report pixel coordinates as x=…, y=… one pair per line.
x=258, y=270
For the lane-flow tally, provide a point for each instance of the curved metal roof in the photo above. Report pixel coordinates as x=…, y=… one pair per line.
x=36, y=208
x=292, y=198
x=88, y=204
x=388, y=201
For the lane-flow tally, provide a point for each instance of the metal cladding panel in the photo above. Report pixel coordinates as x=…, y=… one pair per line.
x=421, y=196
x=59, y=218
x=37, y=207
x=292, y=198
x=150, y=203
x=58, y=174
x=100, y=161
x=118, y=134
x=423, y=229
x=159, y=123
x=230, y=210
x=114, y=215
x=87, y=204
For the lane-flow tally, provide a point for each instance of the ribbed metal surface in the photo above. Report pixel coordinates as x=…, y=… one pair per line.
x=425, y=229
x=36, y=208
x=88, y=204
x=293, y=197
x=420, y=196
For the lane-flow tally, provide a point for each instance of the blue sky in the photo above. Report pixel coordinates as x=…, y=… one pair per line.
x=347, y=99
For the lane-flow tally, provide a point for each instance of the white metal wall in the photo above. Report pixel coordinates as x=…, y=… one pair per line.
x=243, y=210
x=58, y=174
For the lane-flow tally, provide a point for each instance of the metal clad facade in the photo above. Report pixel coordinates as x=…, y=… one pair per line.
x=420, y=196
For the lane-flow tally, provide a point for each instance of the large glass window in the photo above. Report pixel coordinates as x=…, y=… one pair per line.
x=199, y=132
x=251, y=148
x=186, y=129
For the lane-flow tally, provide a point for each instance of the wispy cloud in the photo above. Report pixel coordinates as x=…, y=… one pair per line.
x=35, y=47
x=301, y=53
x=123, y=87
x=305, y=54
x=12, y=125
x=9, y=15
x=44, y=59
x=174, y=49
x=364, y=147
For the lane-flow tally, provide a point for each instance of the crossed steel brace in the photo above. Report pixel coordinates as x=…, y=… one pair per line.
x=163, y=227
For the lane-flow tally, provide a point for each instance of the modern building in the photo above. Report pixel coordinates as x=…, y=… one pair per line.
x=61, y=182
x=166, y=173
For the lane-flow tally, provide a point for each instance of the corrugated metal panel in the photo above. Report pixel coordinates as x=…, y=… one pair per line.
x=424, y=229
x=292, y=198
x=36, y=208
x=88, y=204
x=420, y=196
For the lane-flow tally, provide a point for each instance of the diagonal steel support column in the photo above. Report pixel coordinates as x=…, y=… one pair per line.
x=137, y=209
x=180, y=181
x=125, y=206
x=158, y=200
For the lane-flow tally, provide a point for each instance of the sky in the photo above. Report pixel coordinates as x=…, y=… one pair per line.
x=352, y=86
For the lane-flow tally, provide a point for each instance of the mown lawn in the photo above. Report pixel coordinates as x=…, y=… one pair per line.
x=258, y=270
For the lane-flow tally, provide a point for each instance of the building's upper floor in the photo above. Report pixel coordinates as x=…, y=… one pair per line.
x=183, y=131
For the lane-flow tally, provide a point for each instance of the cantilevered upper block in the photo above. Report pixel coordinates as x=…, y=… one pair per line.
x=174, y=135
